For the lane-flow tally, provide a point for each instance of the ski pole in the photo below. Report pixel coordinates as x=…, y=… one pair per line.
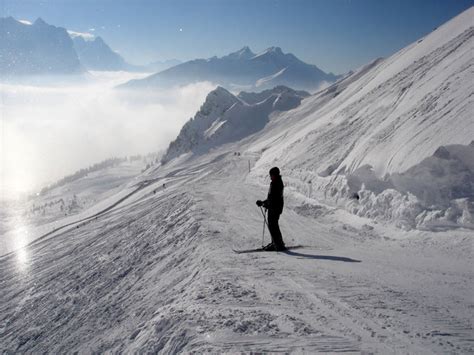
x=264, y=217
x=264, y=222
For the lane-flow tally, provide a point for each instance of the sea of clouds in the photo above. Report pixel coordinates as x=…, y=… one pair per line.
x=52, y=128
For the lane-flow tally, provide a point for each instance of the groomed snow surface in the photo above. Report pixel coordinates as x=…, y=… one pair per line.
x=157, y=274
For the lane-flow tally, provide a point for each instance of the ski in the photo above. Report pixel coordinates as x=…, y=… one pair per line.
x=258, y=250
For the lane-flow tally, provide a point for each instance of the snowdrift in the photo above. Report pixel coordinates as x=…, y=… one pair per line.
x=436, y=193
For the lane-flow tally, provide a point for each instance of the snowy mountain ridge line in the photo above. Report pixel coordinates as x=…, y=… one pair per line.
x=242, y=69
x=226, y=118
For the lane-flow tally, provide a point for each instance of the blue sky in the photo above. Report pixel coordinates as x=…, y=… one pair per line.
x=336, y=35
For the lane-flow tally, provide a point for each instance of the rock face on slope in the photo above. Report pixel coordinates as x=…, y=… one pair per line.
x=225, y=118
x=242, y=69
x=36, y=49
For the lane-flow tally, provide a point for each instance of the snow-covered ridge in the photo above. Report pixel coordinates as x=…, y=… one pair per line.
x=225, y=118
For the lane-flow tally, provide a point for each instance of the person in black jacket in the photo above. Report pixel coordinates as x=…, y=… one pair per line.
x=274, y=205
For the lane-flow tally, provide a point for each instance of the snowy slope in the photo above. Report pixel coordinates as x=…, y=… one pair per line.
x=383, y=119
x=23, y=221
x=156, y=274
x=362, y=143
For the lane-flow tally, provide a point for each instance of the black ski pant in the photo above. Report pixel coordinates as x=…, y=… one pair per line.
x=274, y=228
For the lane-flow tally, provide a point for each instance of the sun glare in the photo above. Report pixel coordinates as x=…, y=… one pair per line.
x=21, y=240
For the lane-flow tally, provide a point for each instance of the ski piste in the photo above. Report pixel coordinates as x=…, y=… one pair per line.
x=261, y=249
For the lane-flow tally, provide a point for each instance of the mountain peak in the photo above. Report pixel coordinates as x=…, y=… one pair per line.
x=221, y=90
x=270, y=52
x=219, y=94
x=218, y=99
x=245, y=49
x=39, y=22
x=225, y=118
x=243, y=53
x=276, y=50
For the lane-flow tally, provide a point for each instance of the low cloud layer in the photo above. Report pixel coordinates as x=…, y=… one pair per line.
x=51, y=131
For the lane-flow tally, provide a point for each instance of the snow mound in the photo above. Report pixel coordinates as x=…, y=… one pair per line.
x=448, y=174
x=436, y=193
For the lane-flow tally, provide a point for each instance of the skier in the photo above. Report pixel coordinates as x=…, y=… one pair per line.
x=274, y=204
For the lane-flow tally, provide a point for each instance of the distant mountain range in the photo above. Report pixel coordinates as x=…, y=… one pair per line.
x=38, y=48
x=225, y=118
x=242, y=70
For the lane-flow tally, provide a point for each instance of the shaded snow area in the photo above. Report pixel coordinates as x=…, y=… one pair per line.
x=378, y=174
x=156, y=273
x=436, y=193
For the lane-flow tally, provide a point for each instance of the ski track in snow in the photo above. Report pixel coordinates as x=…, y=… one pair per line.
x=157, y=274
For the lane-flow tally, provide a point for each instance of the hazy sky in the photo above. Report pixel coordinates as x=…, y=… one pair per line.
x=336, y=35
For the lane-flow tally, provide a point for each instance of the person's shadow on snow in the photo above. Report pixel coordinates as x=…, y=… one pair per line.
x=322, y=257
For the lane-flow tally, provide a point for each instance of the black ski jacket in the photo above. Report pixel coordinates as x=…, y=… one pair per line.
x=274, y=201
